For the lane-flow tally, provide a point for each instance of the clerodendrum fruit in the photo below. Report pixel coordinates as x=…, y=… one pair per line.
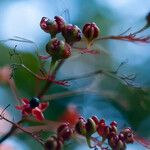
x=113, y=140
x=53, y=144
x=80, y=127
x=91, y=31
x=60, y=22
x=64, y=131
x=34, y=102
x=90, y=126
x=49, y=26
x=128, y=135
x=95, y=119
x=71, y=33
x=58, y=49
x=101, y=127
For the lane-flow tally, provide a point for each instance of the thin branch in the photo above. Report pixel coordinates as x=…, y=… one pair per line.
x=14, y=66
x=15, y=53
x=20, y=128
x=129, y=38
x=86, y=50
x=14, y=90
x=125, y=31
x=64, y=94
x=141, y=30
x=13, y=128
x=124, y=79
x=48, y=84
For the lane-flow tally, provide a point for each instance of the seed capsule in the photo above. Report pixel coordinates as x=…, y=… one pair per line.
x=60, y=22
x=114, y=123
x=80, y=127
x=64, y=131
x=113, y=140
x=49, y=26
x=90, y=126
x=95, y=119
x=53, y=144
x=58, y=49
x=128, y=135
x=71, y=33
x=101, y=127
x=91, y=31
x=121, y=145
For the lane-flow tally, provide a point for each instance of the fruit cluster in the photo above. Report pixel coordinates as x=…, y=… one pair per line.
x=86, y=128
x=64, y=133
x=61, y=49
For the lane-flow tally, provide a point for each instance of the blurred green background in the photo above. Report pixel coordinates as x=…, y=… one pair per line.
x=107, y=97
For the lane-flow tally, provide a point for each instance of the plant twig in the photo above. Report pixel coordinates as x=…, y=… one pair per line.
x=63, y=94
x=48, y=84
x=124, y=79
x=15, y=125
x=129, y=38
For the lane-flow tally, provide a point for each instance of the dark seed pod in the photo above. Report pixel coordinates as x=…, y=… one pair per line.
x=58, y=49
x=91, y=31
x=71, y=33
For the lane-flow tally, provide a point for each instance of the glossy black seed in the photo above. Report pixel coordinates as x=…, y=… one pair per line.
x=34, y=102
